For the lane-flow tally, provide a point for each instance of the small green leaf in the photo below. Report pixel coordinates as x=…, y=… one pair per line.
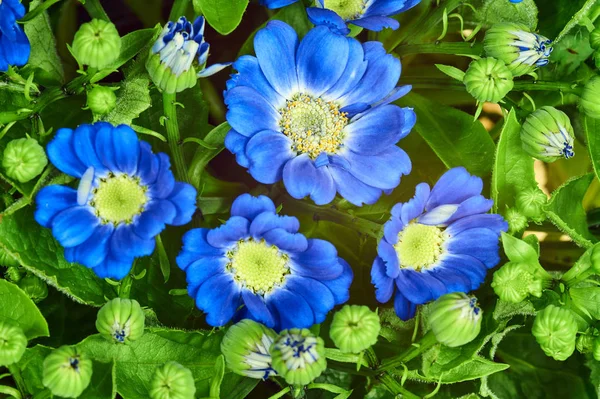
x=518, y=250
x=498, y=11
x=19, y=309
x=474, y=369
x=215, y=385
x=506, y=310
x=223, y=15
x=216, y=139
x=451, y=71
x=566, y=211
x=163, y=259
x=587, y=299
x=591, y=126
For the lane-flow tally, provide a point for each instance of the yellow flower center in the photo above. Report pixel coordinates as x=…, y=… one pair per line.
x=419, y=246
x=118, y=199
x=347, y=9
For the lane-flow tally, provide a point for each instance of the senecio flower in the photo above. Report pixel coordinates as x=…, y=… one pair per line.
x=14, y=44
x=441, y=241
x=258, y=259
x=125, y=197
x=171, y=60
x=316, y=114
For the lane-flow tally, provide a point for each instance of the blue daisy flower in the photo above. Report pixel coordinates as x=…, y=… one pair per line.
x=126, y=196
x=259, y=260
x=441, y=241
x=316, y=114
x=14, y=44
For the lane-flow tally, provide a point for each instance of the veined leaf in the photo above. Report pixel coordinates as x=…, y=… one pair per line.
x=223, y=15
x=20, y=310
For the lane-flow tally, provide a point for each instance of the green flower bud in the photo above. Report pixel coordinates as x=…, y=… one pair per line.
x=34, y=287
x=531, y=202
x=595, y=39
x=97, y=44
x=516, y=220
x=12, y=344
x=585, y=343
x=555, y=329
x=246, y=349
x=354, y=328
x=166, y=80
x=596, y=348
x=521, y=50
x=14, y=274
x=172, y=381
x=121, y=320
x=547, y=135
x=488, y=79
x=67, y=372
x=101, y=100
x=7, y=260
x=298, y=356
x=24, y=159
x=514, y=282
x=590, y=98
x=455, y=319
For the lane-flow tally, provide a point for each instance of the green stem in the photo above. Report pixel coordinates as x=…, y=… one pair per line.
x=38, y=10
x=426, y=342
x=577, y=18
x=173, y=138
x=464, y=48
x=178, y=10
x=216, y=109
x=451, y=84
x=14, y=370
x=95, y=10
x=395, y=388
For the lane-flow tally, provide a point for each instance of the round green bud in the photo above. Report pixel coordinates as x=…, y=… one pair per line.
x=97, y=44
x=595, y=39
x=121, y=320
x=516, y=220
x=555, y=329
x=590, y=98
x=547, y=135
x=531, y=202
x=488, y=79
x=246, y=349
x=354, y=328
x=172, y=381
x=24, y=159
x=514, y=282
x=67, y=372
x=7, y=260
x=298, y=356
x=101, y=100
x=12, y=343
x=585, y=343
x=34, y=287
x=455, y=319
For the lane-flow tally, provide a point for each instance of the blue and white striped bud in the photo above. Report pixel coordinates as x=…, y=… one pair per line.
x=298, y=356
x=547, y=135
x=521, y=50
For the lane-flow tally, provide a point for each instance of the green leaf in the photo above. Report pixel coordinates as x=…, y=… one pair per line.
x=215, y=385
x=507, y=310
x=451, y=71
x=498, y=11
x=554, y=15
x=587, y=299
x=452, y=134
x=223, y=15
x=513, y=168
x=19, y=309
x=566, y=211
x=216, y=139
x=472, y=370
x=591, y=126
x=39, y=253
x=43, y=60
x=518, y=250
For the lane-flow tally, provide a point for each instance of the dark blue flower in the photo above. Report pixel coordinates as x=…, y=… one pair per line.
x=14, y=45
x=441, y=241
x=316, y=114
x=125, y=197
x=259, y=260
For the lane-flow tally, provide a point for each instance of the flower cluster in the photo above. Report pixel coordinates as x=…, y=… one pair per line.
x=14, y=44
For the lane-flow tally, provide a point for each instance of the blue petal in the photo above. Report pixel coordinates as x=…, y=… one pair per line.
x=419, y=287
x=127, y=149
x=404, y=308
x=454, y=280
x=315, y=293
x=274, y=4
x=397, y=210
x=328, y=18
x=390, y=7
x=286, y=241
x=376, y=23
x=183, y=197
x=454, y=187
x=377, y=131
x=250, y=74
x=219, y=297
x=383, y=170
x=472, y=206
x=301, y=178
x=392, y=228
x=125, y=244
x=195, y=246
x=481, y=244
x=248, y=112
x=413, y=208
x=258, y=308
x=51, y=200
x=62, y=154
x=17, y=8
x=236, y=144
x=438, y=216
x=249, y=207
x=467, y=265
x=153, y=219
x=322, y=58
x=384, y=286
x=268, y=151
x=268, y=221
x=340, y=286
x=148, y=164
x=84, y=140
x=8, y=23
x=294, y=311
x=94, y=250
x=389, y=257
x=202, y=269
x=165, y=181
x=16, y=50
x=104, y=145
x=319, y=261
x=352, y=189
x=229, y=233
x=493, y=222
x=73, y=226
x=275, y=47
x=113, y=268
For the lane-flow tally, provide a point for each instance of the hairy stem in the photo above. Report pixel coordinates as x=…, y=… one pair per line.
x=95, y=9
x=14, y=370
x=173, y=137
x=426, y=342
x=460, y=48
x=451, y=84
